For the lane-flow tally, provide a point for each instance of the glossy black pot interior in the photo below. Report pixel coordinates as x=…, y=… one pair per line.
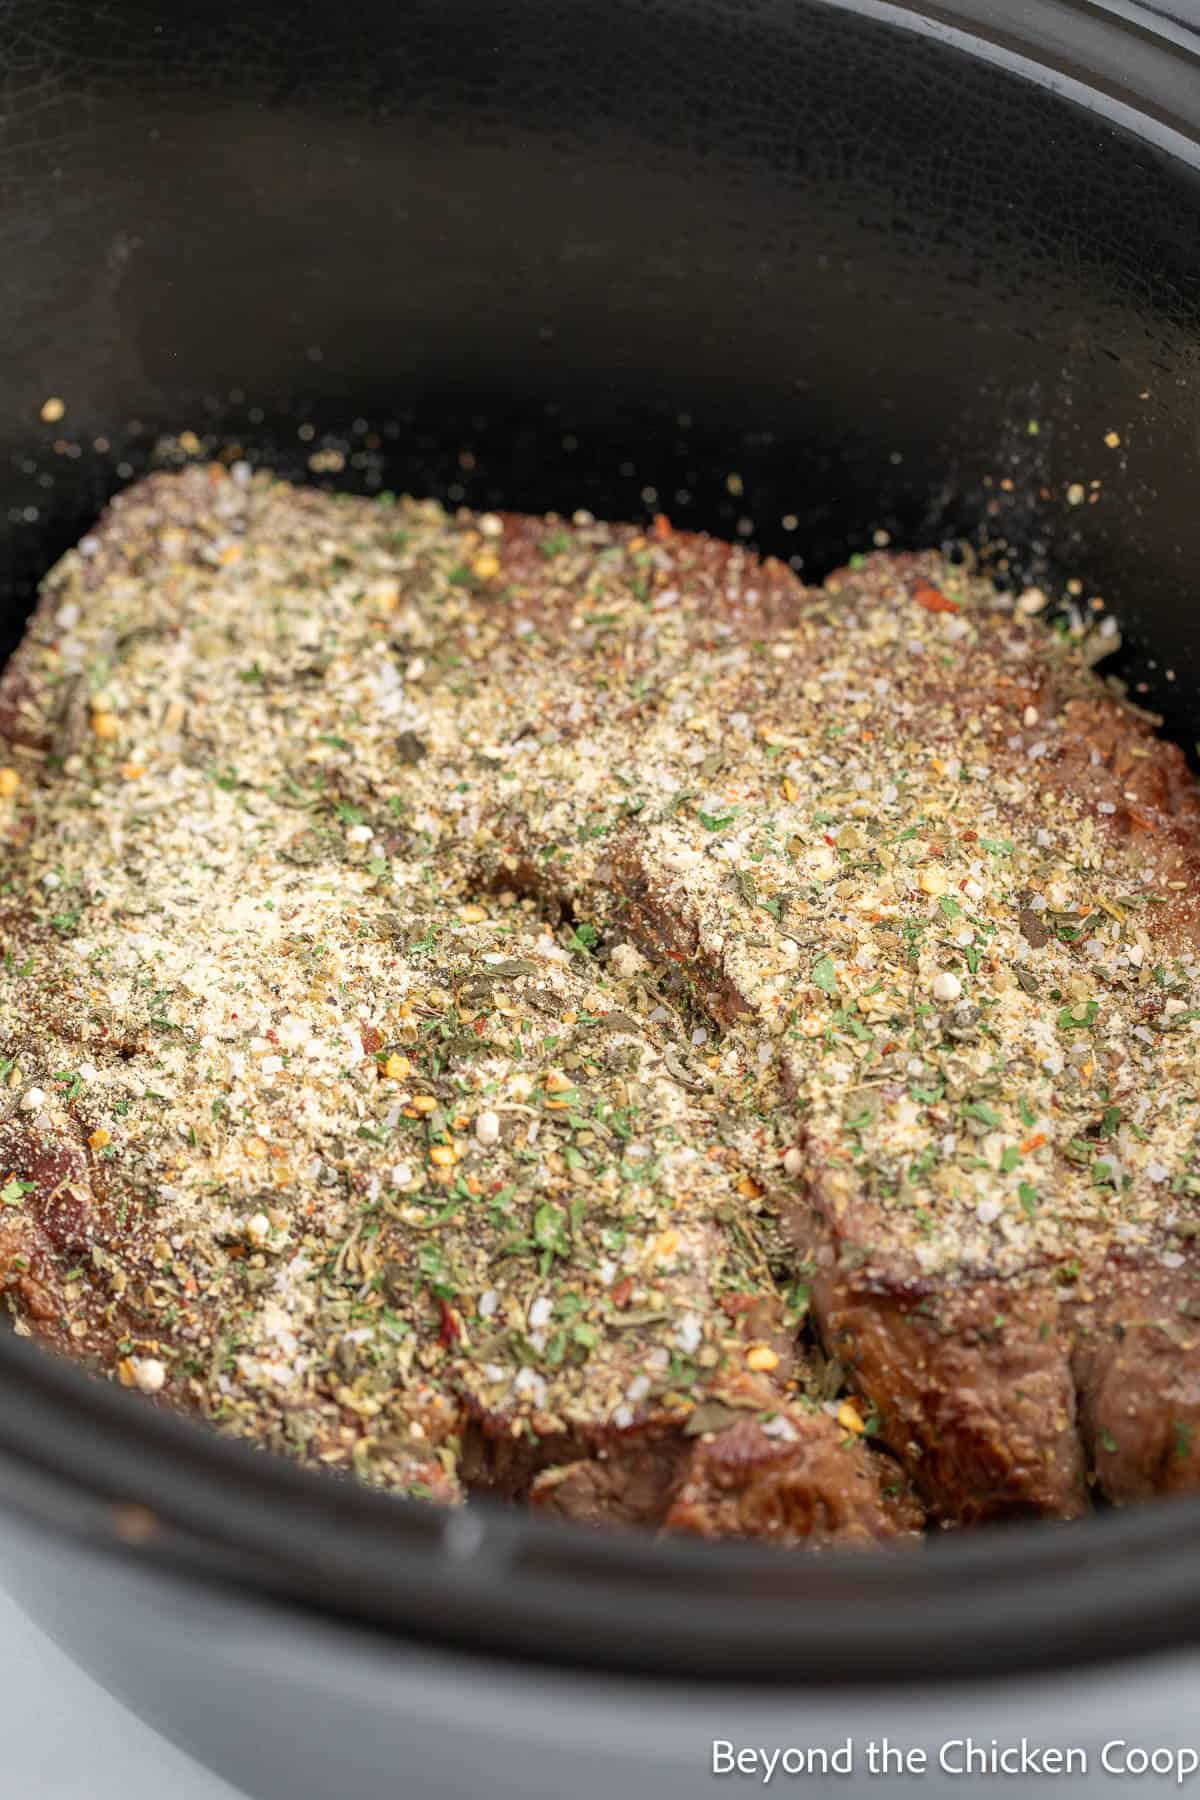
x=927, y=271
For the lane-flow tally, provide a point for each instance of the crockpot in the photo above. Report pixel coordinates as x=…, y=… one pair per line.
x=813, y=273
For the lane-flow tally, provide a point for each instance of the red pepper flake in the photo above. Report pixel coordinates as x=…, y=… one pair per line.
x=662, y=526
x=621, y=1293
x=451, y=1329
x=933, y=599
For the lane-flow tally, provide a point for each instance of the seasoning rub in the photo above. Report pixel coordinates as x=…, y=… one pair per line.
x=477, y=991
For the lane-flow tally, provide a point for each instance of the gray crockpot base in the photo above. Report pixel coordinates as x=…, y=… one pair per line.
x=285, y=1704
x=65, y=1738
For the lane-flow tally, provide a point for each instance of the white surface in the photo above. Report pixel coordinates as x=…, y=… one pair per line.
x=63, y=1737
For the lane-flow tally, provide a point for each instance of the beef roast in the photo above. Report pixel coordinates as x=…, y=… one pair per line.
x=566, y=1010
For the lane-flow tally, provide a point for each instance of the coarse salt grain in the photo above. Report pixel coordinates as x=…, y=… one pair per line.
x=528, y=1381
x=487, y=1128
x=689, y=1333
x=149, y=1374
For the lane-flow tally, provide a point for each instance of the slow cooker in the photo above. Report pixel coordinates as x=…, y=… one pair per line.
x=901, y=268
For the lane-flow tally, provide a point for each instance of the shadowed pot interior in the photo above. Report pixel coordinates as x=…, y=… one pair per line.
x=929, y=271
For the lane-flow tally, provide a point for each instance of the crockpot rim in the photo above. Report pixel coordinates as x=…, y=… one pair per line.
x=86, y=1460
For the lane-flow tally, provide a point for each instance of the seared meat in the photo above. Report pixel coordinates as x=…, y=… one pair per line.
x=308, y=1131
x=478, y=990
